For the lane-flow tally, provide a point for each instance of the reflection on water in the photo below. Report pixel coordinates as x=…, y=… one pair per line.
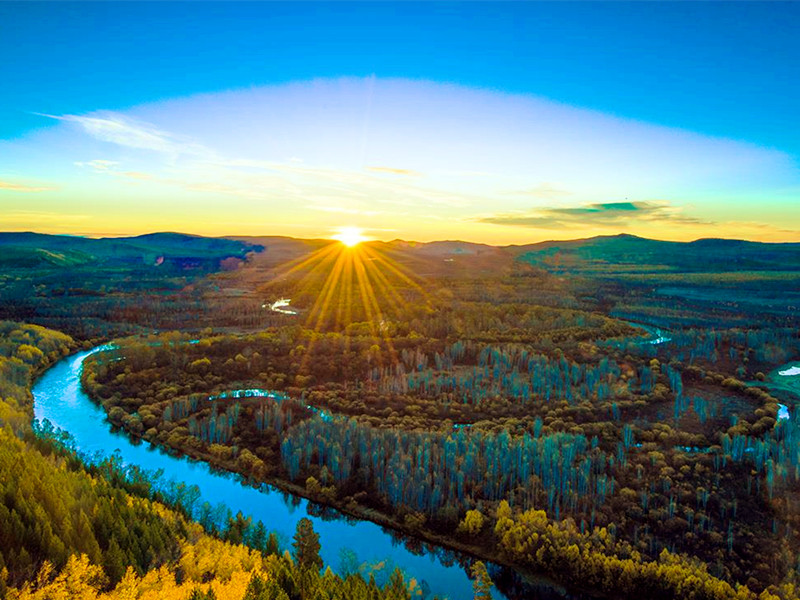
x=280, y=305
x=59, y=398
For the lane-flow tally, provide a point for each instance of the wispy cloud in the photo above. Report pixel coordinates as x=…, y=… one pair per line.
x=21, y=187
x=218, y=188
x=605, y=214
x=101, y=165
x=457, y=173
x=435, y=153
x=393, y=171
x=124, y=131
x=137, y=175
x=190, y=182
x=344, y=210
x=318, y=183
x=544, y=191
x=24, y=217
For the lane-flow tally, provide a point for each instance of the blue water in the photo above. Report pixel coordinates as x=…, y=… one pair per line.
x=59, y=398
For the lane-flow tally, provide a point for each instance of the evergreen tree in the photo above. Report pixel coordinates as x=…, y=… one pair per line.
x=264, y=589
x=306, y=546
x=258, y=537
x=272, y=545
x=114, y=561
x=198, y=594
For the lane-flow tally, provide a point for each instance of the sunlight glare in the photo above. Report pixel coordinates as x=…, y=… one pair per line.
x=350, y=236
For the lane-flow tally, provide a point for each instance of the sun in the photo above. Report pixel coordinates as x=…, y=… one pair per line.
x=350, y=236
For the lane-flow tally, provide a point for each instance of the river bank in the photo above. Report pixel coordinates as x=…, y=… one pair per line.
x=59, y=398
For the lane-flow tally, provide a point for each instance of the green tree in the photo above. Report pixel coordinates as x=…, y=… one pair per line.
x=258, y=537
x=272, y=546
x=261, y=589
x=198, y=594
x=114, y=561
x=306, y=546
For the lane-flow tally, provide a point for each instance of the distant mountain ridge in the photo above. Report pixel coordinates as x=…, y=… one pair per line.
x=28, y=249
x=707, y=254
x=588, y=254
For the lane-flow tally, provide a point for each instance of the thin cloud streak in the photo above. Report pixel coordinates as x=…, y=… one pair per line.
x=394, y=171
x=543, y=191
x=123, y=131
x=466, y=158
x=605, y=214
x=21, y=187
x=21, y=217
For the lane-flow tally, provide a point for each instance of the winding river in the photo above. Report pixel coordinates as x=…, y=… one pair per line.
x=59, y=398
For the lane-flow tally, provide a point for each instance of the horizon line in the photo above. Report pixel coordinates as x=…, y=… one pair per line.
x=107, y=235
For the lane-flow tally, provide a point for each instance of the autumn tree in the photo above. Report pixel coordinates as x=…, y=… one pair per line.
x=481, y=582
x=472, y=523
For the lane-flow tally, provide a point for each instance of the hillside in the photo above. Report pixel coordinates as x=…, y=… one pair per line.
x=88, y=286
x=69, y=529
x=635, y=254
x=176, y=248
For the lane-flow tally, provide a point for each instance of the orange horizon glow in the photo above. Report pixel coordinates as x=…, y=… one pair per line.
x=503, y=237
x=431, y=162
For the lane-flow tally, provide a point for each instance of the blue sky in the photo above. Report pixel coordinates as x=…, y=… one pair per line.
x=714, y=70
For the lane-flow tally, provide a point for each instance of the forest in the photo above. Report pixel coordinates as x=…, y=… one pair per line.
x=72, y=530
x=540, y=408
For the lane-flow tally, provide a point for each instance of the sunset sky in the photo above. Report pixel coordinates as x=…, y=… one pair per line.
x=499, y=123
